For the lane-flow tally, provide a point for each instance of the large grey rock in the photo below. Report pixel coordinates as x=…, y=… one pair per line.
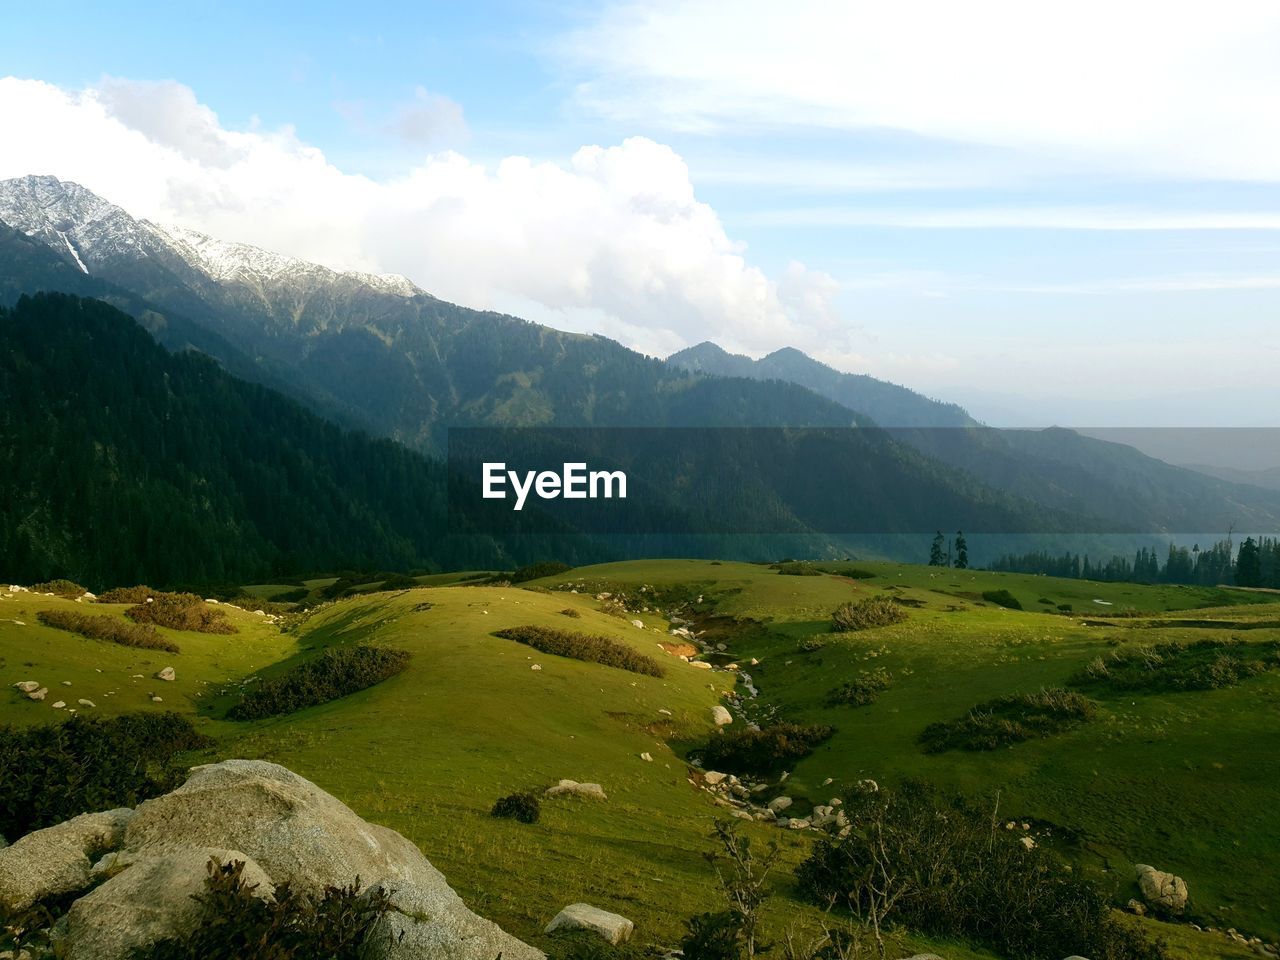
x=582, y=916
x=58, y=859
x=298, y=833
x=1162, y=891
x=148, y=901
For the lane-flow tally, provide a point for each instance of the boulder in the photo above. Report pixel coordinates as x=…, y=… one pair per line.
x=151, y=899
x=299, y=834
x=638, y=624
x=611, y=927
x=58, y=859
x=38, y=694
x=1163, y=892
x=713, y=777
x=720, y=716
x=572, y=788
x=27, y=686
x=778, y=804
x=167, y=674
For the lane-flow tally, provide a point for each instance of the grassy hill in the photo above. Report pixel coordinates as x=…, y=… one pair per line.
x=1181, y=780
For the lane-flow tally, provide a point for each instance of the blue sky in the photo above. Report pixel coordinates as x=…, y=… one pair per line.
x=1066, y=217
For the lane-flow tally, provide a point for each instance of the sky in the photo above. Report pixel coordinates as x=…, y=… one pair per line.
x=1051, y=213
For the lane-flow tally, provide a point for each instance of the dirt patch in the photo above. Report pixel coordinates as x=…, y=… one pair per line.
x=680, y=649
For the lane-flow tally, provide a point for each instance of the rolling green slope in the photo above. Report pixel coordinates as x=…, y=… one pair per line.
x=1184, y=781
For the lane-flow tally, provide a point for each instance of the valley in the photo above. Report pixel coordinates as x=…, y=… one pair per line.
x=1183, y=780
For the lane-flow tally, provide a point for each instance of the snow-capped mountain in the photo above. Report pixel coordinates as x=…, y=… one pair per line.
x=102, y=239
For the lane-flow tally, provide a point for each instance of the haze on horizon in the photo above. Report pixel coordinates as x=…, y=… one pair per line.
x=1064, y=217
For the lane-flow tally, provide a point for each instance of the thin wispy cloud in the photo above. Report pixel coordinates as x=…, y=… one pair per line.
x=1016, y=218
x=1143, y=86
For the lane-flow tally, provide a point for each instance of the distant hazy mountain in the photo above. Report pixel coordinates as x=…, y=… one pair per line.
x=1267, y=479
x=887, y=404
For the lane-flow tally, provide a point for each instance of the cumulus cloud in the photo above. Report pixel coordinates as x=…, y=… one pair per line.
x=1147, y=86
x=616, y=234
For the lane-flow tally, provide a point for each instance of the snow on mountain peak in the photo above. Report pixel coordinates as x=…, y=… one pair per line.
x=78, y=223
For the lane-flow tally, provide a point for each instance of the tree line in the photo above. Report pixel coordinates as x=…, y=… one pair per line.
x=1255, y=564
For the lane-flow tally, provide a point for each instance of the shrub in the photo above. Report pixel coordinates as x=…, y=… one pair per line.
x=863, y=690
x=398, y=581
x=53, y=772
x=1008, y=720
x=799, y=568
x=714, y=936
x=571, y=613
x=1065, y=607
x=237, y=925
x=108, y=628
x=1202, y=665
x=181, y=611
x=939, y=865
x=865, y=614
x=812, y=645
x=1002, y=598
x=765, y=751
x=524, y=807
x=67, y=589
x=138, y=594
x=337, y=672
x=854, y=573
x=536, y=571
x=582, y=646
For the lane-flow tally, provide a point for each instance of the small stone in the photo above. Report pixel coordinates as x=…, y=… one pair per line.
x=38, y=694
x=536, y=666
x=167, y=674
x=647, y=757
x=58, y=704
x=66, y=683
x=86, y=703
x=713, y=777
x=155, y=699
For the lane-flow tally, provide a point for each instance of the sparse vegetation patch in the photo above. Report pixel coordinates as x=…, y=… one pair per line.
x=1202, y=665
x=337, y=672
x=863, y=690
x=940, y=865
x=1008, y=720
x=583, y=646
x=765, y=751
x=1002, y=598
x=868, y=613
x=108, y=628
x=181, y=611
x=53, y=772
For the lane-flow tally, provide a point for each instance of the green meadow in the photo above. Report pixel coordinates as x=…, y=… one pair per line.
x=1187, y=781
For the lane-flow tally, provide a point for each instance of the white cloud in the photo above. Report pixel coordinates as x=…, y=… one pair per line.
x=1017, y=218
x=616, y=233
x=1176, y=88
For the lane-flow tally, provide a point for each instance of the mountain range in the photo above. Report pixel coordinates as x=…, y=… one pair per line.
x=377, y=354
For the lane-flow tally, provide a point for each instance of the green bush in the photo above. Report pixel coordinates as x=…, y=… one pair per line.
x=863, y=690
x=1065, y=607
x=536, y=571
x=67, y=589
x=108, y=628
x=398, y=581
x=765, y=751
x=582, y=646
x=1002, y=598
x=237, y=925
x=571, y=613
x=812, y=644
x=53, y=772
x=714, y=936
x=181, y=611
x=865, y=614
x=799, y=568
x=940, y=866
x=524, y=807
x=337, y=672
x=1202, y=665
x=1008, y=720
x=138, y=594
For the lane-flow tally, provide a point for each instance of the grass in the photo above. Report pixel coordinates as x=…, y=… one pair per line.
x=1186, y=782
